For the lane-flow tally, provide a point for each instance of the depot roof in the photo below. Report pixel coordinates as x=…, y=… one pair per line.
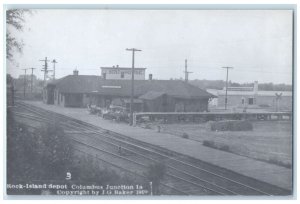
x=97, y=85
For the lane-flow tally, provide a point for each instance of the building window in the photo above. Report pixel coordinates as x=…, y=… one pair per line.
x=122, y=75
x=243, y=101
x=250, y=101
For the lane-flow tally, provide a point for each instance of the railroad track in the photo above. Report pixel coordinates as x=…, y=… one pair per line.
x=184, y=175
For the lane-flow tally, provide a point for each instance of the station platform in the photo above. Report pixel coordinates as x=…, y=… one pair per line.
x=269, y=173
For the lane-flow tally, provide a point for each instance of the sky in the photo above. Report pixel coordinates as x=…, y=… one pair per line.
x=257, y=43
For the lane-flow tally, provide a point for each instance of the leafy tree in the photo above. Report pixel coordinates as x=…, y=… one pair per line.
x=14, y=19
x=219, y=84
x=9, y=79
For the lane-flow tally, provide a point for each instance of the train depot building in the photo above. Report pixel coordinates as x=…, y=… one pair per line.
x=104, y=92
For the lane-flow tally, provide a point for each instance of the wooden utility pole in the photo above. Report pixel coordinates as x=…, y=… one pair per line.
x=133, y=50
x=24, y=91
x=277, y=99
x=45, y=69
x=54, y=62
x=31, y=82
x=226, y=85
x=186, y=73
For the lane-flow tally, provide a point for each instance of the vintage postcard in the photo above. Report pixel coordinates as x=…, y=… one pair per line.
x=149, y=102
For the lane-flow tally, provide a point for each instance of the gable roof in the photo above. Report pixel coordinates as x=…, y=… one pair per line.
x=97, y=85
x=76, y=83
x=150, y=95
x=173, y=88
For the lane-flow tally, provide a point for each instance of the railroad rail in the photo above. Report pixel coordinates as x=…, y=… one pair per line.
x=183, y=174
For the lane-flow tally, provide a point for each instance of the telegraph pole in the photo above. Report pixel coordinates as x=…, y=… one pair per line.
x=133, y=50
x=31, y=84
x=226, y=85
x=25, y=83
x=186, y=73
x=54, y=62
x=45, y=69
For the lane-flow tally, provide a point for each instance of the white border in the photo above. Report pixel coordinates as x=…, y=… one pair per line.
x=86, y=2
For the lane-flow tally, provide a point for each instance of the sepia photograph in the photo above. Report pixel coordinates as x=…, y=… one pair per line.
x=149, y=102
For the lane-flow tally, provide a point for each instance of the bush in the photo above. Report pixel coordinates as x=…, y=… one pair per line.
x=156, y=171
x=232, y=125
x=22, y=154
x=55, y=150
x=38, y=156
x=274, y=160
x=185, y=135
x=212, y=144
x=224, y=148
x=46, y=155
x=86, y=169
x=147, y=126
x=208, y=143
x=155, y=174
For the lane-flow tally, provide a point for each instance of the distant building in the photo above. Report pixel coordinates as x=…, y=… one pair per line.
x=122, y=73
x=252, y=98
x=149, y=95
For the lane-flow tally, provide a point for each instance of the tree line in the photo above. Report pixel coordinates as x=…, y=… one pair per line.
x=220, y=84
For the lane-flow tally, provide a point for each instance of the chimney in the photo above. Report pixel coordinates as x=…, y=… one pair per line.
x=75, y=72
x=255, y=87
x=150, y=77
